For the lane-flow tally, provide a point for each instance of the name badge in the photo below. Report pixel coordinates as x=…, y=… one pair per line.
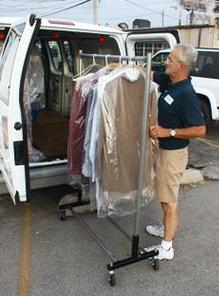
x=169, y=99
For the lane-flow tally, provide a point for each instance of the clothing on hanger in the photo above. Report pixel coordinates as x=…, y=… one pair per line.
x=122, y=97
x=104, y=136
x=77, y=122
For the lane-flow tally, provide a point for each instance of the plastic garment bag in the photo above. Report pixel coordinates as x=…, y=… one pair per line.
x=34, y=100
x=121, y=96
x=77, y=124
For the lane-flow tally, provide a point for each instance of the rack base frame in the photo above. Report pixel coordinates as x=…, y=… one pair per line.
x=137, y=253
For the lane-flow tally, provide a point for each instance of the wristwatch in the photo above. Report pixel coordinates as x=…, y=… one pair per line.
x=173, y=132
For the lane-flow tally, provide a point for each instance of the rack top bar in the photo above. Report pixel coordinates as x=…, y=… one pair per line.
x=118, y=57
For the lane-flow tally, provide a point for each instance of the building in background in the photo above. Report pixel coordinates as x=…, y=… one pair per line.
x=141, y=23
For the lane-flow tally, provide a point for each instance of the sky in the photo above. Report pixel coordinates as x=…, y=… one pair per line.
x=110, y=12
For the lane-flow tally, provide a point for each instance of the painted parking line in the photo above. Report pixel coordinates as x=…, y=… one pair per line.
x=209, y=142
x=24, y=277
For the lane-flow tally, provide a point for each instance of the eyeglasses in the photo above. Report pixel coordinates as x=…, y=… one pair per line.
x=170, y=60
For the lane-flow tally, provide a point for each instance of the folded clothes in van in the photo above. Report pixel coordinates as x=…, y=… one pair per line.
x=50, y=133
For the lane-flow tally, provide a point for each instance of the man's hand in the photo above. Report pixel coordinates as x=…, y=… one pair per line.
x=157, y=131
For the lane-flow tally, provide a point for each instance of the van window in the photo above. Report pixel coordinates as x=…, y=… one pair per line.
x=55, y=55
x=99, y=44
x=158, y=62
x=207, y=64
x=6, y=65
x=144, y=47
x=68, y=54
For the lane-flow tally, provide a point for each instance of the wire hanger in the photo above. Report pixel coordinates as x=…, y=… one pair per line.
x=87, y=69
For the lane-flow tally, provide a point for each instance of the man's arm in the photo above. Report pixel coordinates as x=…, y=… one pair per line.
x=157, y=131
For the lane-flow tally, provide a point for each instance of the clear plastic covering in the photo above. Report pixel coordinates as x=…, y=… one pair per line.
x=105, y=135
x=77, y=125
x=80, y=106
x=34, y=99
x=119, y=143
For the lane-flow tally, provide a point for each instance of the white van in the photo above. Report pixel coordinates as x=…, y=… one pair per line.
x=33, y=154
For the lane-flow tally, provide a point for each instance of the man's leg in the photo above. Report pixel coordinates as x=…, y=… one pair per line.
x=170, y=220
x=171, y=165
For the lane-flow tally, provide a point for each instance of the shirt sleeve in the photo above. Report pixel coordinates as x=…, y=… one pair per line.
x=162, y=79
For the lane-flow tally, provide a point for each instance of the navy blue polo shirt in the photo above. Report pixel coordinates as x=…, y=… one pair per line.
x=178, y=107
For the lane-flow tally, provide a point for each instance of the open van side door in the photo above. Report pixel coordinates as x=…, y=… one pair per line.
x=141, y=43
x=13, y=153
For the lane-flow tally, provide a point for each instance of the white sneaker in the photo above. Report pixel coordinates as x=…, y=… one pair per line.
x=151, y=248
x=165, y=254
x=157, y=230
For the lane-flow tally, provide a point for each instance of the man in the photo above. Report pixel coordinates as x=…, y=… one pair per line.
x=179, y=119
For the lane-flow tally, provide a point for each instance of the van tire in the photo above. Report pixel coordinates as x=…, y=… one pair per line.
x=206, y=111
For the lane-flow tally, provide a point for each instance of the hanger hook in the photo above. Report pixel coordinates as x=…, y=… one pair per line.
x=106, y=59
x=94, y=61
x=132, y=61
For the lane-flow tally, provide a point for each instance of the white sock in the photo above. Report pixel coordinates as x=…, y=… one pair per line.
x=166, y=244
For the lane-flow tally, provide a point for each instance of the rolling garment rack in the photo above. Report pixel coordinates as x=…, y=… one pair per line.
x=137, y=253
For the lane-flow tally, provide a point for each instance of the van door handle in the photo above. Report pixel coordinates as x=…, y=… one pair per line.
x=17, y=126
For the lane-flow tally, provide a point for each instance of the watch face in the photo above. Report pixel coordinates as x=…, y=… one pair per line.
x=173, y=133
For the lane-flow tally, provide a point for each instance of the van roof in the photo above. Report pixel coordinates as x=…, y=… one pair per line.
x=8, y=21
x=71, y=25
x=67, y=24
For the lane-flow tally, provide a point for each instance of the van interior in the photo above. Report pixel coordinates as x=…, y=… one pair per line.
x=49, y=86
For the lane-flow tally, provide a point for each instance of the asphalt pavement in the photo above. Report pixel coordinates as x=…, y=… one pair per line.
x=43, y=256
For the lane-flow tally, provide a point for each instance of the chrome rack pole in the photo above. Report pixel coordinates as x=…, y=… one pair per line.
x=117, y=57
x=135, y=242
x=80, y=61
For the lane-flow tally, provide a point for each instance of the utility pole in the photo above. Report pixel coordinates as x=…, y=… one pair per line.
x=95, y=11
x=191, y=17
x=163, y=18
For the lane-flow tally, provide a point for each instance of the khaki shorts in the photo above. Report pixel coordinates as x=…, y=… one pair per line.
x=170, y=167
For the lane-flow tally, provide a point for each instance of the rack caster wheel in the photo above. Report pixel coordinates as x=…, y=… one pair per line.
x=155, y=264
x=112, y=278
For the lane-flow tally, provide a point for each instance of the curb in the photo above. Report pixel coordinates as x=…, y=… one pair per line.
x=191, y=176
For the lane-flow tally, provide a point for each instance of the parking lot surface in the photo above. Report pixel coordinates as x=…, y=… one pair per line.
x=43, y=256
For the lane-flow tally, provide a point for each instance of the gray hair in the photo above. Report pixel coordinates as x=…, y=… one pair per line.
x=188, y=55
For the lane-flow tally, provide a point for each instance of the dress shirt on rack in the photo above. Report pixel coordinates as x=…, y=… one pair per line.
x=77, y=122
